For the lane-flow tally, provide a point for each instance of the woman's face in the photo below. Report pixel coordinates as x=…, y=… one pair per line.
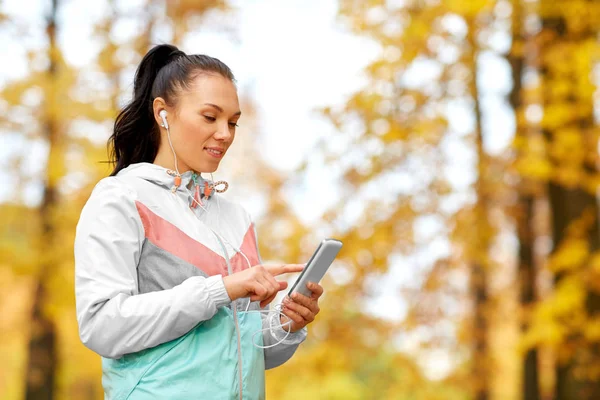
x=202, y=124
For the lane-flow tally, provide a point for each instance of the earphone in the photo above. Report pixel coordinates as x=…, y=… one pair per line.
x=163, y=116
x=276, y=312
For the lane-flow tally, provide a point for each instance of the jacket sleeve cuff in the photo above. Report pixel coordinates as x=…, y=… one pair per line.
x=278, y=332
x=216, y=290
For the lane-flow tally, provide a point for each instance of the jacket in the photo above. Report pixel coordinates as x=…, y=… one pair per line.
x=150, y=297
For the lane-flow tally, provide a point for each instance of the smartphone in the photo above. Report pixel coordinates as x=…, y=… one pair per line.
x=317, y=266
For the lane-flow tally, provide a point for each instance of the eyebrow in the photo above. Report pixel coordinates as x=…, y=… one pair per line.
x=221, y=110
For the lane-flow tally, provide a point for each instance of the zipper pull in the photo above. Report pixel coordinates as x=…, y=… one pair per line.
x=197, y=200
x=207, y=190
x=177, y=180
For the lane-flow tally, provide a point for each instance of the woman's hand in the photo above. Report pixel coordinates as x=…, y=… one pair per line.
x=259, y=282
x=300, y=309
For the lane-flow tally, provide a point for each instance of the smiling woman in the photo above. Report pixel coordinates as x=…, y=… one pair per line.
x=160, y=282
x=198, y=94
x=204, y=130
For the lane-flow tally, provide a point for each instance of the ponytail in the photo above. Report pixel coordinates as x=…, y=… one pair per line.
x=163, y=70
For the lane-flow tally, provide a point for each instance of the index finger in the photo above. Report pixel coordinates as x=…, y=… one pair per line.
x=284, y=268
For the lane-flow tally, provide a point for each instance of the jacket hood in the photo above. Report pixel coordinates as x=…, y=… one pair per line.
x=161, y=176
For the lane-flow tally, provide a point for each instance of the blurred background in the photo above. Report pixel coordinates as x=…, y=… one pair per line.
x=451, y=145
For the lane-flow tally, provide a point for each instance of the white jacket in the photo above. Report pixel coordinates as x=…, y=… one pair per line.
x=148, y=270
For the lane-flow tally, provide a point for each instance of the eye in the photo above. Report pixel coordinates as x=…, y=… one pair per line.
x=210, y=119
x=233, y=125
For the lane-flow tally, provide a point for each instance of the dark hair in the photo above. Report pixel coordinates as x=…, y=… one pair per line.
x=163, y=71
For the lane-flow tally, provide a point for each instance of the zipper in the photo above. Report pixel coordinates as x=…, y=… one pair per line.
x=235, y=317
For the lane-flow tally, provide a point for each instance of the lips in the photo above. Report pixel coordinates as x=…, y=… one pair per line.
x=215, y=151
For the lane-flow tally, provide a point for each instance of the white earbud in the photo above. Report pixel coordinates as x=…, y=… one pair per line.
x=163, y=115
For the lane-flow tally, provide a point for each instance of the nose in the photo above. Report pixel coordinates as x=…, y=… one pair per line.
x=223, y=133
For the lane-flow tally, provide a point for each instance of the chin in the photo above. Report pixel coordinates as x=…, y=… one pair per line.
x=206, y=168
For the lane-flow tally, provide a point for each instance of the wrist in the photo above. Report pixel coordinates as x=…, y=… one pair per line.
x=282, y=320
x=229, y=288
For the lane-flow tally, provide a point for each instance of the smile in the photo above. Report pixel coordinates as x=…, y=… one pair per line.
x=214, y=153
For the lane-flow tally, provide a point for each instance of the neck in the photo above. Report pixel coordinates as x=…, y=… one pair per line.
x=166, y=160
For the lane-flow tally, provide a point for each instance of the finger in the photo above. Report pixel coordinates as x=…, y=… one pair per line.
x=284, y=268
x=282, y=286
x=268, y=301
x=307, y=302
x=316, y=289
x=259, y=291
x=269, y=292
x=273, y=282
x=302, y=299
x=294, y=316
x=304, y=312
x=272, y=288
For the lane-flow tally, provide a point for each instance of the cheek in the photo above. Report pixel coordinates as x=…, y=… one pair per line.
x=193, y=132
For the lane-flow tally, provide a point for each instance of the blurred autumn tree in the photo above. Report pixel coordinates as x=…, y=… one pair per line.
x=38, y=108
x=403, y=136
x=65, y=112
x=500, y=247
x=403, y=127
x=570, y=317
x=556, y=162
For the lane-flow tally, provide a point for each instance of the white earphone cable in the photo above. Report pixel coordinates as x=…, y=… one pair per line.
x=276, y=312
x=166, y=125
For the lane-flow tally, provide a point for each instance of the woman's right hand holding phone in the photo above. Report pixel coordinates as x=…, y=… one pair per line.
x=259, y=282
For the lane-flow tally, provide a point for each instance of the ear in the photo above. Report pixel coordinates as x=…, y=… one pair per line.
x=157, y=105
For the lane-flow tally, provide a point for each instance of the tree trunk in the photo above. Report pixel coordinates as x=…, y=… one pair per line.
x=479, y=268
x=42, y=361
x=527, y=297
x=569, y=202
x=567, y=206
x=525, y=213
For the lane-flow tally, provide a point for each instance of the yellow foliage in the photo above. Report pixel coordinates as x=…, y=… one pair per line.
x=569, y=297
x=533, y=167
x=592, y=330
x=558, y=115
x=570, y=255
x=468, y=9
x=594, y=263
x=349, y=355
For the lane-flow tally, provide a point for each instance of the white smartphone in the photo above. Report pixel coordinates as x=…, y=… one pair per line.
x=317, y=266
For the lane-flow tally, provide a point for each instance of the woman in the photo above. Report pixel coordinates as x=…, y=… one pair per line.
x=164, y=288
